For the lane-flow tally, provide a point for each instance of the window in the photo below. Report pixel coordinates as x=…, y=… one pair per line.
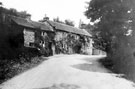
x=31, y=44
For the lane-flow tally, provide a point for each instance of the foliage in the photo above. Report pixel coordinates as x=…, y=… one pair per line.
x=9, y=69
x=69, y=22
x=47, y=40
x=114, y=32
x=70, y=43
x=1, y=3
x=86, y=26
x=11, y=53
x=57, y=20
x=14, y=12
x=114, y=21
x=9, y=41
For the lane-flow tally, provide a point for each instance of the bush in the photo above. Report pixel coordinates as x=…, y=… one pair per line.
x=9, y=69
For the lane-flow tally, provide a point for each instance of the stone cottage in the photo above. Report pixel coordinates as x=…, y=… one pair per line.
x=34, y=34
x=50, y=37
x=69, y=39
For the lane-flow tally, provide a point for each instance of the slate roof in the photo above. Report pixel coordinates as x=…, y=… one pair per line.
x=67, y=28
x=43, y=26
x=31, y=24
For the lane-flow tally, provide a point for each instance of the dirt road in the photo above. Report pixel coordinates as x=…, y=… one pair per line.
x=68, y=72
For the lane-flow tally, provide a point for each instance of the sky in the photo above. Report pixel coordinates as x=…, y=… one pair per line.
x=64, y=9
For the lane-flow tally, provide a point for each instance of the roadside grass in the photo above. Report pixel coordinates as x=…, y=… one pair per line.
x=107, y=63
x=10, y=69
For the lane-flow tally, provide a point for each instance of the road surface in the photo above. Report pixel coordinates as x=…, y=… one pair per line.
x=68, y=72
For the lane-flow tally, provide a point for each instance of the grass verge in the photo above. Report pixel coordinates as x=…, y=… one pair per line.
x=10, y=69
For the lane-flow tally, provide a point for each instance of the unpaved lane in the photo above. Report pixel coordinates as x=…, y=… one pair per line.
x=92, y=64
x=60, y=72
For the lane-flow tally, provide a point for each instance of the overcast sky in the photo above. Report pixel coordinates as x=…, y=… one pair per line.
x=64, y=9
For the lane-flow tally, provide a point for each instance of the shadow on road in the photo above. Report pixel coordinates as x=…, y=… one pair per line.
x=62, y=86
x=92, y=65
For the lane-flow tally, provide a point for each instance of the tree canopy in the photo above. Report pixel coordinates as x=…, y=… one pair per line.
x=114, y=32
x=1, y=3
x=14, y=12
x=116, y=21
x=57, y=19
x=67, y=21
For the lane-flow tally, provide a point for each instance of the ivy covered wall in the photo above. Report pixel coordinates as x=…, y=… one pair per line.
x=69, y=43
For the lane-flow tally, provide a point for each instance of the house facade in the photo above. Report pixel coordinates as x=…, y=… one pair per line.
x=98, y=52
x=70, y=39
x=36, y=35
x=50, y=37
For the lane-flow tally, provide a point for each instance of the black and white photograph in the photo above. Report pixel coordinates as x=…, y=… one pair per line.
x=67, y=44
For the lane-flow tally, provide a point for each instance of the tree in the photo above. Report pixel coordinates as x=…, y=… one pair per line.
x=69, y=22
x=10, y=52
x=85, y=26
x=113, y=18
x=114, y=32
x=57, y=20
x=13, y=12
x=1, y=4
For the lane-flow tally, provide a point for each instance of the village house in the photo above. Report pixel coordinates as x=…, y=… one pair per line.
x=33, y=34
x=88, y=28
x=69, y=39
x=48, y=38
